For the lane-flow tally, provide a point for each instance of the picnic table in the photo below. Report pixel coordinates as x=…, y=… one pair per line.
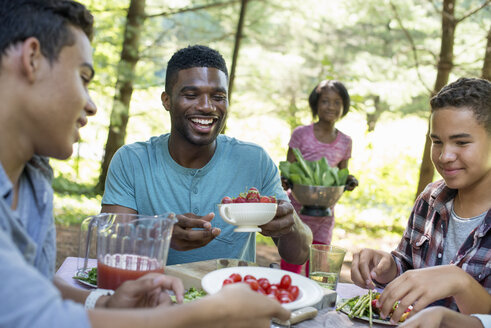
x=191, y=273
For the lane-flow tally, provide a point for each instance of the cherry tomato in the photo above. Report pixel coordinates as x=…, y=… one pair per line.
x=294, y=291
x=227, y=281
x=253, y=284
x=236, y=277
x=248, y=276
x=284, y=296
x=272, y=289
x=284, y=292
x=285, y=282
x=285, y=299
x=264, y=283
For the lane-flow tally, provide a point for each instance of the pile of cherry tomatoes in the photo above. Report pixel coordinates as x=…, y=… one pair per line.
x=284, y=292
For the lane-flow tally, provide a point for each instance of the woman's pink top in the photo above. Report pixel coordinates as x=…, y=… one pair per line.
x=312, y=149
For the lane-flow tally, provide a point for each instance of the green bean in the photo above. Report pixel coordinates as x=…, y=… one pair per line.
x=370, y=305
x=344, y=304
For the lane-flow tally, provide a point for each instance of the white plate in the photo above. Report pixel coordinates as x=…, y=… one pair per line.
x=86, y=283
x=310, y=292
x=83, y=282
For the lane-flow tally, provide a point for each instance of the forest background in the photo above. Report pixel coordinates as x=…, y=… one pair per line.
x=391, y=54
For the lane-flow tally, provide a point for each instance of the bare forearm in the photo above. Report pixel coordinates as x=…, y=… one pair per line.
x=472, y=297
x=294, y=247
x=186, y=315
x=69, y=292
x=459, y=320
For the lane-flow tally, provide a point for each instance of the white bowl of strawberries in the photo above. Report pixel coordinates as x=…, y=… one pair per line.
x=248, y=210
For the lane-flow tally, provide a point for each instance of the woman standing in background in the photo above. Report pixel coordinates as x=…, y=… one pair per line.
x=329, y=101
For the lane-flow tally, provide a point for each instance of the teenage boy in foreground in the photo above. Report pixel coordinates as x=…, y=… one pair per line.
x=448, y=233
x=45, y=68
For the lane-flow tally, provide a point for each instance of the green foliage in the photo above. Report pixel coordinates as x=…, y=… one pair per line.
x=65, y=186
x=285, y=51
x=383, y=201
x=72, y=209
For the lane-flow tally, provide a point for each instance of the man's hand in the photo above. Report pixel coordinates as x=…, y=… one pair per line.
x=192, y=231
x=282, y=223
x=369, y=265
x=292, y=237
x=236, y=305
x=149, y=290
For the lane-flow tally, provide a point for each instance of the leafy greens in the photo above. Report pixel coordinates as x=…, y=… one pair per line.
x=313, y=173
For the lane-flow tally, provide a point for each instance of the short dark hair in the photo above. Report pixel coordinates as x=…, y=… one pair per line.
x=189, y=57
x=323, y=85
x=471, y=93
x=46, y=20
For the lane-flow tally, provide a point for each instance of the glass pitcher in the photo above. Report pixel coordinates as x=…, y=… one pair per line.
x=126, y=246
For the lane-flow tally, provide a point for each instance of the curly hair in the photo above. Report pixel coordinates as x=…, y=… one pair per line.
x=46, y=20
x=326, y=84
x=467, y=93
x=189, y=57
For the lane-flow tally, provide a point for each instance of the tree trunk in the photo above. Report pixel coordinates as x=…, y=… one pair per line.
x=372, y=118
x=238, y=38
x=486, y=68
x=445, y=64
x=124, y=85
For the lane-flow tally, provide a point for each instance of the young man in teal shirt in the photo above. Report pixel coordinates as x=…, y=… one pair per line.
x=189, y=170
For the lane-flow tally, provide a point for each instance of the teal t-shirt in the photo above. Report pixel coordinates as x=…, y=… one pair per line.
x=143, y=176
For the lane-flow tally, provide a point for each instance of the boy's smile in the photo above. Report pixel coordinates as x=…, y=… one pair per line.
x=461, y=148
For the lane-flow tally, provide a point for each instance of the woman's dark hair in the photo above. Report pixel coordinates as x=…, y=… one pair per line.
x=323, y=85
x=467, y=93
x=46, y=20
x=189, y=57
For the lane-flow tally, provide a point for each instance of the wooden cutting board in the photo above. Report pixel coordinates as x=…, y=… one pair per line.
x=192, y=273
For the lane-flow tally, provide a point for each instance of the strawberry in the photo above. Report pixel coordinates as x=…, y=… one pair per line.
x=227, y=200
x=264, y=199
x=272, y=199
x=240, y=199
x=253, y=195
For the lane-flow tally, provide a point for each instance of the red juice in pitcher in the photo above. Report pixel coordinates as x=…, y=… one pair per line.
x=115, y=269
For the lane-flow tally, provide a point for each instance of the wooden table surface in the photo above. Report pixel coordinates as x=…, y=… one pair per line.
x=191, y=274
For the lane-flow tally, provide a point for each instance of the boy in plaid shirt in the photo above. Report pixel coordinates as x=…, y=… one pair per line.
x=446, y=248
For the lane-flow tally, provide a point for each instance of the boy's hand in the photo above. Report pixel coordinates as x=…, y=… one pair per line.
x=185, y=236
x=239, y=304
x=438, y=316
x=369, y=265
x=419, y=288
x=147, y=291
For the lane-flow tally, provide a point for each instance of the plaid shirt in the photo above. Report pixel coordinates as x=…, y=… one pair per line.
x=422, y=243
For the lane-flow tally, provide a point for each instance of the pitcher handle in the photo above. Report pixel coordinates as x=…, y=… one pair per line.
x=86, y=232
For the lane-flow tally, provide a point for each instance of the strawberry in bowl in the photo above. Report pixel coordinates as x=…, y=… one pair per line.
x=248, y=210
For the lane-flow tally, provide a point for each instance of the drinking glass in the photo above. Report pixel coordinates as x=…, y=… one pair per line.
x=325, y=264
